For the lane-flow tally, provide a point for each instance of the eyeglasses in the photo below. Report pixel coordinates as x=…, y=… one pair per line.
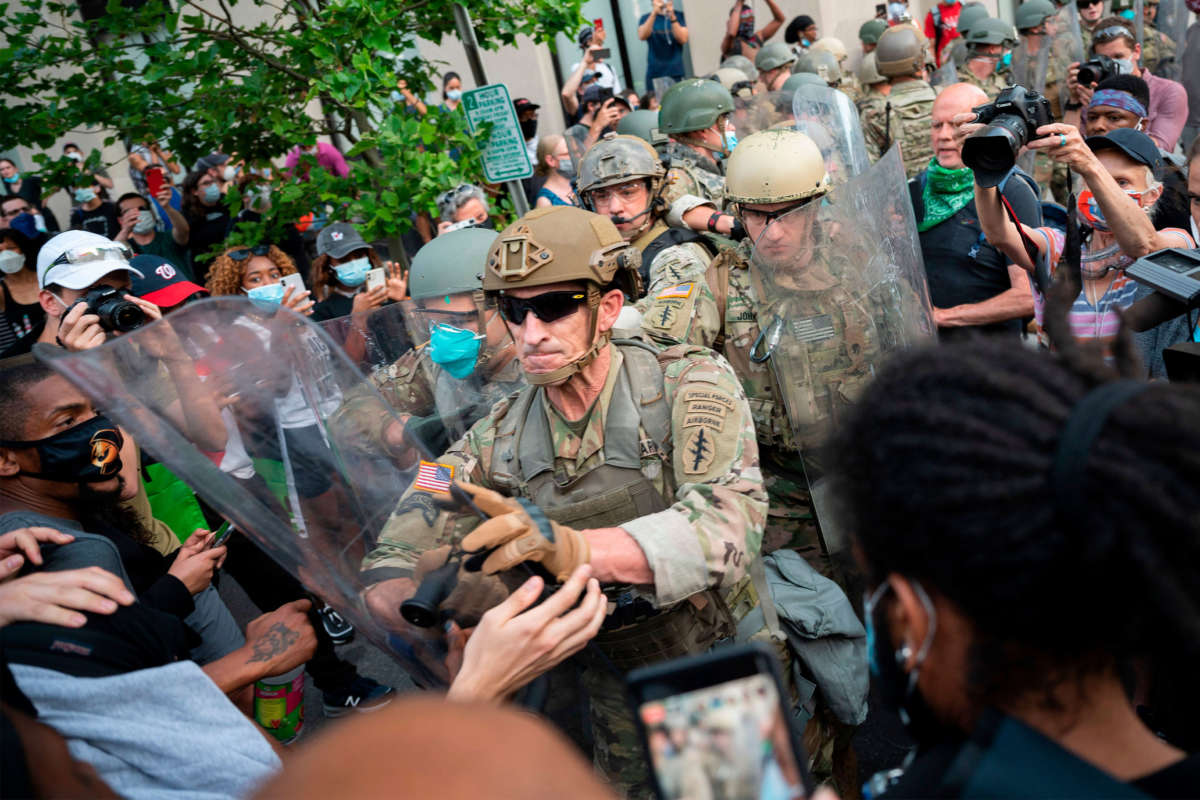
x=627, y=192
x=110, y=252
x=758, y=218
x=458, y=319
x=548, y=307
x=245, y=252
x=1112, y=32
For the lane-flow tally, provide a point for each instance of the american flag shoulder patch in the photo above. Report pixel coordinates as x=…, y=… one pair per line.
x=434, y=477
x=680, y=290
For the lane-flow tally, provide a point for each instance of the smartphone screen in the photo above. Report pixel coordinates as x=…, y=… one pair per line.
x=154, y=179
x=375, y=279
x=221, y=534
x=602, y=53
x=727, y=737
x=294, y=280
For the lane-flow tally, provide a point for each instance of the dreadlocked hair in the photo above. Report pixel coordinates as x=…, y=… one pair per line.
x=225, y=275
x=943, y=474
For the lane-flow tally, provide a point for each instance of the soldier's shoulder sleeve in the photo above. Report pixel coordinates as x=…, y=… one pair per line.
x=676, y=264
x=405, y=383
x=682, y=312
x=679, y=183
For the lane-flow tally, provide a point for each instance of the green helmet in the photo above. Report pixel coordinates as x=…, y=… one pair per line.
x=798, y=79
x=742, y=63
x=969, y=16
x=868, y=71
x=774, y=166
x=451, y=264
x=992, y=31
x=900, y=51
x=1032, y=13
x=870, y=30
x=772, y=55
x=693, y=105
x=822, y=63
x=642, y=123
x=619, y=159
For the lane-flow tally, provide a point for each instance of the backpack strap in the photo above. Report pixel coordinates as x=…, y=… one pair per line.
x=647, y=388
x=717, y=277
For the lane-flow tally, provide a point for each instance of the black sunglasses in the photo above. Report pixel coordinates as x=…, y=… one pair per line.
x=547, y=307
x=1086, y=3
x=246, y=252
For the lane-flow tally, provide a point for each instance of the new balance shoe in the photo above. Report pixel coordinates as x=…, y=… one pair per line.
x=339, y=630
x=363, y=695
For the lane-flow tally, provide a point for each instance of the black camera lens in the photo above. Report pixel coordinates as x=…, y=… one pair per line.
x=118, y=314
x=992, y=152
x=1087, y=75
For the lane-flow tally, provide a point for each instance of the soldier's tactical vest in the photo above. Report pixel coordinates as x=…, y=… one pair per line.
x=612, y=493
x=697, y=169
x=908, y=118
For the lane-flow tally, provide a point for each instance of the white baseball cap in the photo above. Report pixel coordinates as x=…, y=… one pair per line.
x=77, y=259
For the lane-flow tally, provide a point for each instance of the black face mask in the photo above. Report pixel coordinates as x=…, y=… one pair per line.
x=487, y=223
x=528, y=128
x=84, y=453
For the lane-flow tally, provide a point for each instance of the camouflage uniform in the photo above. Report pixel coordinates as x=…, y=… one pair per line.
x=850, y=85
x=696, y=507
x=905, y=119
x=693, y=174
x=673, y=264
x=871, y=102
x=1158, y=51
x=992, y=85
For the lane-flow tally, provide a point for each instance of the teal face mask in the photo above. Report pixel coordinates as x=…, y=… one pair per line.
x=266, y=298
x=353, y=273
x=454, y=349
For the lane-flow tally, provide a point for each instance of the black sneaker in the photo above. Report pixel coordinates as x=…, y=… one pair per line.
x=339, y=630
x=363, y=695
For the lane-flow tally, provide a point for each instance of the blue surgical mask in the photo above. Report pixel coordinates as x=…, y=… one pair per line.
x=353, y=273
x=731, y=141
x=456, y=350
x=212, y=193
x=453, y=94
x=84, y=195
x=266, y=298
x=16, y=176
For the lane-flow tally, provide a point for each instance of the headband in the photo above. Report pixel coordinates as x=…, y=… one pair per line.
x=1115, y=98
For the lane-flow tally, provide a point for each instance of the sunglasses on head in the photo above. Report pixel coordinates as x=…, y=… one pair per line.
x=246, y=252
x=547, y=307
x=452, y=194
x=1112, y=32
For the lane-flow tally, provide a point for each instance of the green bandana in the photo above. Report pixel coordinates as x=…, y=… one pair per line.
x=946, y=192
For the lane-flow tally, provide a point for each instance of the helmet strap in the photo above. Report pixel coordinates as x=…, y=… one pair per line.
x=563, y=373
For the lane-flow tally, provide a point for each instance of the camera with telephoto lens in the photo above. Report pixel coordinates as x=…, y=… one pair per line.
x=1096, y=69
x=1011, y=122
x=115, y=312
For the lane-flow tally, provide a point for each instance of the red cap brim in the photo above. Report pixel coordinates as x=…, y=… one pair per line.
x=174, y=294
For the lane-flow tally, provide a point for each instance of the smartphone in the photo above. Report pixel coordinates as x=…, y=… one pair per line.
x=598, y=24
x=154, y=179
x=375, y=278
x=719, y=721
x=221, y=534
x=880, y=10
x=458, y=226
x=602, y=53
x=295, y=281
x=605, y=94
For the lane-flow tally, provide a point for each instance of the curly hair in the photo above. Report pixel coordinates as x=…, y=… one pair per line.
x=323, y=276
x=225, y=275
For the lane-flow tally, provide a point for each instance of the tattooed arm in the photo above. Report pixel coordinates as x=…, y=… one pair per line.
x=275, y=643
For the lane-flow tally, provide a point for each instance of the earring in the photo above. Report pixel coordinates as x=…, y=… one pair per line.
x=903, y=655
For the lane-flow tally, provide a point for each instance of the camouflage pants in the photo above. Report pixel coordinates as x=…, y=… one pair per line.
x=616, y=749
x=791, y=522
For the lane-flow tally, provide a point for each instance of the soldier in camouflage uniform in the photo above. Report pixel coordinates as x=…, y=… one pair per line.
x=986, y=43
x=1158, y=51
x=822, y=63
x=970, y=14
x=869, y=33
x=446, y=286
x=694, y=113
x=774, y=63
x=623, y=178
x=641, y=461
x=1036, y=22
x=900, y=57
x=849, y=82
x=875, y=87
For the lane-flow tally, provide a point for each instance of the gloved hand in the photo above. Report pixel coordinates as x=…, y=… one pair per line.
x=473, y=594
x=523, y=533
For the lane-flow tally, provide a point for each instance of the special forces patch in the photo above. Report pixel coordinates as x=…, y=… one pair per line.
x=663, y=313
x=699, y=450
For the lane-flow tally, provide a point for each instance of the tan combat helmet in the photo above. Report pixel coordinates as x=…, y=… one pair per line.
x=822, y=63
x=742, y=63
x=559, y=244
x=774, y=166
x=617, y=159
x=868, y=71
x=833, y=45
x=736, y=81
x=900, y=51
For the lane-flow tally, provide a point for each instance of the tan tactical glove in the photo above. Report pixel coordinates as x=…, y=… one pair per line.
x=521, y=532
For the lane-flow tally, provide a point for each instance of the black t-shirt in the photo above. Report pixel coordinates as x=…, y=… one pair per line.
x=962, y=268
x=102, y=220
x=209, y=227
x=332, y=307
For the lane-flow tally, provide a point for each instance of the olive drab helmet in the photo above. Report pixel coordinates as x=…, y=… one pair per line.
x=822, y=63
x=833, y=45
x=557, y=244
x=693, y=105
x=742, y=63
x=869, y=31
x=451, y=264
x=900, y=51
x=991, y=31
x=773, y=55
x=798, y=79
x=617, y=159
x=970, y=15
x=1032, y=13
x=774, y=166
x=643, y=124
x=868, y=70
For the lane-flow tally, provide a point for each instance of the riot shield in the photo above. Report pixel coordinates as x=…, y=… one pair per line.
x=944, y=75
x=293, y=473
x=371, y=339
x=1172, y=21
x=830, y=119
x=1029, y=65
x=661, y=85
x=842, y=287
x=1068, y=42
x=761, y=111
x=1139, y=20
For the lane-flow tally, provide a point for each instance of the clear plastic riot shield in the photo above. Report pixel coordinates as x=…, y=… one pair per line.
x=830, y=119
x=306, y=458
x=1172, y=22
x=1139, y=20
x=661, y=85
x=944, y=75
x=842, y=287
x=1068, y=42
x=371, y=339
x=760, y=112
x=1029, y=65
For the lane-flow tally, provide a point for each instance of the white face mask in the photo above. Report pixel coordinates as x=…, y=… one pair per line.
x=145, y=222
x=11, y=261
x=230, y=173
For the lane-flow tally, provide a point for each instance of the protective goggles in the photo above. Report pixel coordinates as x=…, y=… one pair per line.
x=1112, y=32
x=459, y=319
x=246, y=252
x=758, y=218
x=107, y=252
x=548, y=307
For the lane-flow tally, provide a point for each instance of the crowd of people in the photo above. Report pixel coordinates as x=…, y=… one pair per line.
x=863, y=367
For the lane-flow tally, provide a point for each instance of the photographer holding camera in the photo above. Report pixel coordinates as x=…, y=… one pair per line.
x=1122, y=171
x=1115, y=51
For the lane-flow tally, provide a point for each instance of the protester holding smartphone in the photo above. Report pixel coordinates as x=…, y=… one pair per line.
x=340, y=272
x=665, y=32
